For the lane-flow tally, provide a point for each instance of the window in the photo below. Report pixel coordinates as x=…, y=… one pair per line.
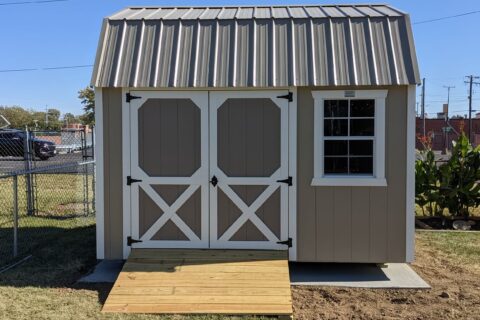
x=349, y=138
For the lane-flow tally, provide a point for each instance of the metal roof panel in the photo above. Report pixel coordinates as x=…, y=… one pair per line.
x=262, y=46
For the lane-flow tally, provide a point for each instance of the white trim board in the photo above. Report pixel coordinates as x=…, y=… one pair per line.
x=292, y=171
x=126, y=153
x=99, y=174
x=410, y=178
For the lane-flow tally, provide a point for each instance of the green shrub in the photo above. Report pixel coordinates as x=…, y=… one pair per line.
x=459, y=179
x=454, y=185
x=427, y=191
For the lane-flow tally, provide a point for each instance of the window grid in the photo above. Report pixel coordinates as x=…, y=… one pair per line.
x=349, y=138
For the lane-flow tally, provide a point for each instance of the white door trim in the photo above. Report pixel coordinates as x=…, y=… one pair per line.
x=292, y=171
x=248, y=212
x=126, y=152
x=199, y=180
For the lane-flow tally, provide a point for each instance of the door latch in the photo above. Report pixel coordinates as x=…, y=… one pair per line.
x=286, y=242
x=131, y=241
x=288, y=181
x=214, y=181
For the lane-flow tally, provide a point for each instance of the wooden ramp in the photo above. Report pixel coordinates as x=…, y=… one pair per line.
x=203, y=282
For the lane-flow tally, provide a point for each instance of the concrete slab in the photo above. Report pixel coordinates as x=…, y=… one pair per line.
x=394, y=275
x=105, y=271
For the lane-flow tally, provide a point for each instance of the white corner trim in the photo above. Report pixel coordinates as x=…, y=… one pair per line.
x=410, y=178
x=349, y=182
x=292, y=170
x=99, y=175
x=379, y=139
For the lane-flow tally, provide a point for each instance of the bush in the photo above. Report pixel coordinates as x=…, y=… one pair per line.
x=453, y=185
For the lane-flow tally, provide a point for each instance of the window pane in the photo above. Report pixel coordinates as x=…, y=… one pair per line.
x=362, y=108
x=336, y=148
x=361, y=165
x=335, y=108
x=336, y=165
x=361, y=147
x=335, y=127
x=362, y=127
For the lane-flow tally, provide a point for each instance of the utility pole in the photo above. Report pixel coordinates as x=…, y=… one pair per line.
x=423, y=107
x=46, y=116
x=471, y=82
x=445, y=130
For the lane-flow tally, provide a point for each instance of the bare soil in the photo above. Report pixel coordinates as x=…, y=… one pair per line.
x=455, y=293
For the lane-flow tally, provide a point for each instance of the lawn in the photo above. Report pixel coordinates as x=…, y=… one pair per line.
x=60, y=204
x=44, y=287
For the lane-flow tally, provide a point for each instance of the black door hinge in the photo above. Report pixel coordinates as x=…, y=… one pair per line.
x=288, y=96
x=130, y=180
x=286, y=242
x=288, y=181
x=130, y=97
x=214, y=181
x=131, y=241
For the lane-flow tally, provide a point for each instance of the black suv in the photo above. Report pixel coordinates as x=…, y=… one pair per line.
x=12, y=145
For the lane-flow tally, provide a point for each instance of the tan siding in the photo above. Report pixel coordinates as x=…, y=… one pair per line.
x=353, y=224
x=306, y=216
x=396, y=166
x=342, y=227
x=360, y=224
x=112, y=153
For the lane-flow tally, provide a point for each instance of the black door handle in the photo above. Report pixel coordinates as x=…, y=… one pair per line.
x=214, y=181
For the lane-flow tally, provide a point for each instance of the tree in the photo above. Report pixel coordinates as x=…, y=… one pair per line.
x=87, y=96
x=70, y=118
x=17, y=116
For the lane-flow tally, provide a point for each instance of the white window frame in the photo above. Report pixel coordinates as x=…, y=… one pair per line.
x=378, y=177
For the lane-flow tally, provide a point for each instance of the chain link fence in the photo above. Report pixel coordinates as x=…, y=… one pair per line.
x=47, y=187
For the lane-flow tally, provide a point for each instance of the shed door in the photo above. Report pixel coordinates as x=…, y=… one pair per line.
x=248, y=156
x=169, y=141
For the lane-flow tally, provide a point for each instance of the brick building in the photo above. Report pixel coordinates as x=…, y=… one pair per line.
x=435, y=128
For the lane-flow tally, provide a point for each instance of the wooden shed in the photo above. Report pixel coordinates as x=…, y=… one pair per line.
x=272, y=128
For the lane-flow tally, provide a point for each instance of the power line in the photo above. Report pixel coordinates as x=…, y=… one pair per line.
x=448, y=17
x=47, y=68
x=29, y=2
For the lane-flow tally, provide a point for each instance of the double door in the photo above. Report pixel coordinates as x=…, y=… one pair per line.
x=209, y=169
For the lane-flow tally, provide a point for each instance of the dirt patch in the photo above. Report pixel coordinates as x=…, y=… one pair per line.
x=455, y=294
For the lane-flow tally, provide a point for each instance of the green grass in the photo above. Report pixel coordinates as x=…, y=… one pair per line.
x=60, y=204
x=463, y=247
x=45, y=286
x=57, y=195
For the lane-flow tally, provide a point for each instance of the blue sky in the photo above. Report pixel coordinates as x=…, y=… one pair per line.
x=66, y=33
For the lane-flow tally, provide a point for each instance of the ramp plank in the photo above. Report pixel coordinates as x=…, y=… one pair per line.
x=171, y=281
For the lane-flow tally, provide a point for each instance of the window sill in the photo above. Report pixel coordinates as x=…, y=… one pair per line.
x=349, y=182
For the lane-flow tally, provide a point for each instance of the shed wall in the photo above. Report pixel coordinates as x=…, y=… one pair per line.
x=112, y=174
x=334, y=224
x=353, y=224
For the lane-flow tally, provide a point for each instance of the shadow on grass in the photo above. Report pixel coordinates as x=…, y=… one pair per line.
x=63, y=256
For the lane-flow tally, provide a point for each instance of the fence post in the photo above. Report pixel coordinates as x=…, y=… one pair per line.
x=28, y=175
x=15, y=216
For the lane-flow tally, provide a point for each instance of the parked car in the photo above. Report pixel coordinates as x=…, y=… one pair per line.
x=12, y=145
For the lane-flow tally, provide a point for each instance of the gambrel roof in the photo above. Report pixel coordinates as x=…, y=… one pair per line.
x=275, y=46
